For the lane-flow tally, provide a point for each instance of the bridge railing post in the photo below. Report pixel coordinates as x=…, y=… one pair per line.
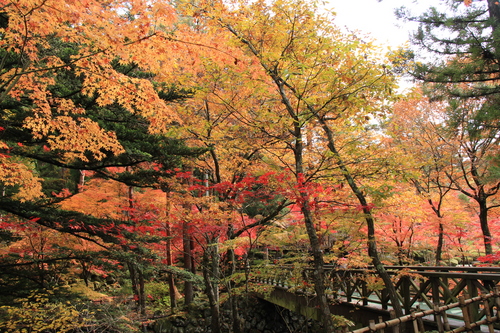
x=487, y=313
x=496, y=301
x=364, y=290
x=405, y=293
x=349, y=286
x=395, y=328
x=465, y=313
x=438, y=318
x=472, y=291
x=436, y=300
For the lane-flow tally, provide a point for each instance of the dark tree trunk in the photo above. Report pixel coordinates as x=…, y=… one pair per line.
x=136, y=274
x=186, y=246
x=494, y=12
x=168, y=253
x=439, y=248
x=318, y=269
x=211, y=289
x=170, y=276
x=483, y=221
x=233, y=300
x=318, y=262
x=136, y=286
x=237, y=327
x=142, y=294
x=481, y=197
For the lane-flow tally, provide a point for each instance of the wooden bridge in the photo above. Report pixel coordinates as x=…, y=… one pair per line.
x=447, y=299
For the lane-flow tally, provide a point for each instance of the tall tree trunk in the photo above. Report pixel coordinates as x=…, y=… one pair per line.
x=318, y=268
x=210, y=276
x=298, y=150
x=439, y=247
x=370, y=221
x=483, y=221
x=233, y=300
x=137, y=281
x=481, y=197
x=134, y=281
x=193, y=261
x=168, y=254
x=81, y=181
x=318, y=262
x=142, y=293
x=186, y=246
x=437, y=211
x=216, y=269
x=136, y=273
x=494, y=12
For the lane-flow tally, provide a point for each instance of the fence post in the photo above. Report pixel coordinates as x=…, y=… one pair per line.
x=349, y=288
x=381, y=320
x=364, y=290
x=473, y=307
x=496, y=301
x=414, y=322
x=436, y=301
x=395, y=329
x=496, y=295
x=446, y=323
x=420, y=321
x=465, y=313
x=487, y=312
x=405, y=293
x=437, y=318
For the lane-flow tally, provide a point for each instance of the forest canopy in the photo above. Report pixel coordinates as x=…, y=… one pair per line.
x=168, y=151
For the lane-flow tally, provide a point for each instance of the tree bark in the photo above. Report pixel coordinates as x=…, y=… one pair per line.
x=142, y=293
x=483, y=221
x=186, y=246
x=233, y=301
x=439, y=247
x=318, y=262
x=477, y=192
x=437, y=210
x=168, y=254
x=211, y=287
x=136, y=273
x=494, y=12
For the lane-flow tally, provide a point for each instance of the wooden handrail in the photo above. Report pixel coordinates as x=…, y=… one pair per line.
x=437, y=310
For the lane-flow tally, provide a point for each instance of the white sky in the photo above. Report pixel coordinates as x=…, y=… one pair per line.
x=377, y=18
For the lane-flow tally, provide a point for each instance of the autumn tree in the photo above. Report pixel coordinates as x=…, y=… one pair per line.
x=417, y=127
x=319, y=84
x=80, y=93
x=451, y=154
x=218, y=117
x=476, y=176
x=465, y=36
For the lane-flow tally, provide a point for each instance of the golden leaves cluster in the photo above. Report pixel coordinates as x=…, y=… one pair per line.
x=18, y=176
x=100, y=33
x=38, y=314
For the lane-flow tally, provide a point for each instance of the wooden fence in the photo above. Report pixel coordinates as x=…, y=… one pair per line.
x=488, y=302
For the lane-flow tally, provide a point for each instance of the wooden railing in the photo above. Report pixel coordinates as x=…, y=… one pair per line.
x=421, y=289
x=441, y=316
x=416, y=285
